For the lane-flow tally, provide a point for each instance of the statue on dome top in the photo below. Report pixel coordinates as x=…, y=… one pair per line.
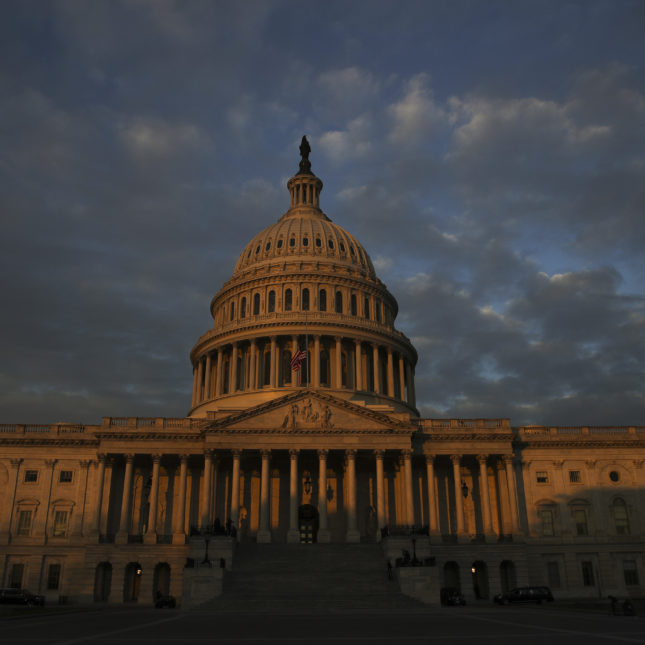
x=305, y=149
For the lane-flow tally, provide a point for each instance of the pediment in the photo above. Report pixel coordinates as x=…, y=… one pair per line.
x=309, y=412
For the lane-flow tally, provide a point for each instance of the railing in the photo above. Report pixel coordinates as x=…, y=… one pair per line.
x=31, y=428
x=460, y=424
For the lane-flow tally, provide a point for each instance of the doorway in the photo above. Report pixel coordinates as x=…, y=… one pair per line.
x=132, y=582
x=308, y=523
x=479, y=572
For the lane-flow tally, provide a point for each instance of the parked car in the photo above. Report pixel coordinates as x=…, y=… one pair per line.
x=165, y=602
x=21, y=597
x=525, y=594
x=452, y=596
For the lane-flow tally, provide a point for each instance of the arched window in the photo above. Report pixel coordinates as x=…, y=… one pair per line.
x=288, y=300
x=339, y=302
x=305, y=299
x=621, y=517
x=256, y=304
x=366, y=307
x=232, y=310
x=243, y=308
x=353, y=304
x=271, y=301
x=322, y=300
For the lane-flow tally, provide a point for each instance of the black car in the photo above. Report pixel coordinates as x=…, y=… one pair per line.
x=21, y=597
x=452, y=597
x=525, y=594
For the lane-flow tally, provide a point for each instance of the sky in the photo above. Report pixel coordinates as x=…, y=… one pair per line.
x=490, y=157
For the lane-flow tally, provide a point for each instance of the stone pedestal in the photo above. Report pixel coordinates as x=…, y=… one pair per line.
x=121, y=538
x=179, y=538
x=150, y=538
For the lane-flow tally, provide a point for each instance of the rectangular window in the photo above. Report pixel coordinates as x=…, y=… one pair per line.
x=60, y=523
x=546, y=519
x=580, y=518
x=24, y=522
x=15, y=580
x=574, y=476
x=53, y=576
x=542, y=477
x=31, y=476
x=553, y=573
x=65, y=476
x=587, y=574
x=630, y=572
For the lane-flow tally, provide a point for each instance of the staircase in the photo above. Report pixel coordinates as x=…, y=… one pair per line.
x=310, y=577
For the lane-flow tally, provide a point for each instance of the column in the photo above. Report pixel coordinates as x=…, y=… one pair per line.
x=432, y=499
x=380, y=492
x=205, y=506
x=359, y=365
x=207, y=384
x=353, y=534
x=272, y=380
x=126, y=502
x=100, y=481
x=485, y=497
x=218, y=374
x=151, y=534
x=459, y=502
x=294, y=349
x=232, y=380
x=213, y=488
x=264, y=534
x=409, y=499
x=7, y=511
x=294, y=534
x=316, y=362
x=390, y=373
x=323, y=531
x=179, y=514
x=375, y=364
x=339, y=363
x=402, y=377
x=512, y=496
x=235, y=489
x=194, y=399
x=200, y=376
x=252, y=365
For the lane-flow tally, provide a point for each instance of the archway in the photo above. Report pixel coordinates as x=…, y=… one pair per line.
x=451, y=576
x=132, y=582
x=102, y=582
x=161, y=580
x=507, y=575
x=307, y=523
x=479, y=572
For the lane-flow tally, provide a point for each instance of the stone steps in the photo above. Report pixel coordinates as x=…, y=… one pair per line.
x=310, y=577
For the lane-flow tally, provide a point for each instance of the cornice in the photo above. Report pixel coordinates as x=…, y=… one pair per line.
x=21, y=440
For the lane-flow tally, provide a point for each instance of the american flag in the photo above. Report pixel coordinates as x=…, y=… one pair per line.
x=297, y=358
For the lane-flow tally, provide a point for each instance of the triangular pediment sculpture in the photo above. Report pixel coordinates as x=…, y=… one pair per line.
x=309, y=412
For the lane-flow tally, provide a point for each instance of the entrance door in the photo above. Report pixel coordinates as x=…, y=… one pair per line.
x=308, y=523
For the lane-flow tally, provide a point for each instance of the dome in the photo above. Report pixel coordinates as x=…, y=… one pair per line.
x=303, y=285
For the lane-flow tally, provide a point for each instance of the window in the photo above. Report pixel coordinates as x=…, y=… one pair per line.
x=256, y=304
x=243, y=308
x=574, y=476
x=31, y=476
x=53, y=576
x=542, y=477
x=614, y=476
x=232, y=310
x=322, y=300
x=366, y=308
x=553, y=574
x=587, y=574
x=60, y=523
x=305, y=241
x=580, y=519
x=288, y=300
x=377, y=310
x=271, y=301
x=17, y=572
x=341, y=245
x=630, y=572
x=268, y=246
x=279, y=244
x=330, y=243
x=621, y=518
x=65, y=476
x=339, y=302
x=292, y=241
x=257, y=250
x=353, y=304
x=318, y=242
x=305, y=299
x=546, y=520
x=24, y=522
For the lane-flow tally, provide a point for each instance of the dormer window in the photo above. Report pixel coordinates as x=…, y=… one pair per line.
x=331, y=244
x=279, y=244
x=292, y=242
x=318, y=242
x=268, y=246
x=305, y=241
x=342, y=247
x=257, y=250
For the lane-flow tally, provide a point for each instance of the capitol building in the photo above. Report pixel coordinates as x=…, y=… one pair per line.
x=303, y=439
